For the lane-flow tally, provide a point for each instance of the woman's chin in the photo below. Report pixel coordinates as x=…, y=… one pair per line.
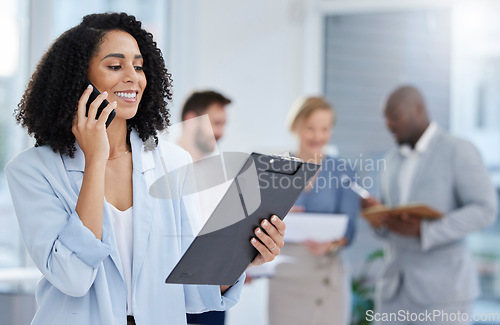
x=126, y=114
x=316, y=153
x=318, y=150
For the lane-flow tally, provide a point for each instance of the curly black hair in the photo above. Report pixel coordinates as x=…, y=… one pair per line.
x=50, y=101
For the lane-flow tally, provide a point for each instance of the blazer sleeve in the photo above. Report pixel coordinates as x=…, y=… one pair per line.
x=475, y=197
x=201, y=298
x=64, y=250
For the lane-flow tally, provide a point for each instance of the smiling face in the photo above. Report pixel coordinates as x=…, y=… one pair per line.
x=117, y=68
x=315, y=130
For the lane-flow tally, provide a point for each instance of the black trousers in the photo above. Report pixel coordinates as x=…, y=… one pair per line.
x=208, y=318
x=130, y=320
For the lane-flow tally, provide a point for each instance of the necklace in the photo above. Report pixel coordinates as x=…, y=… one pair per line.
x=120, y=155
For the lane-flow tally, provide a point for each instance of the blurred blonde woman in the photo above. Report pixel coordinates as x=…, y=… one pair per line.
x=316, y=288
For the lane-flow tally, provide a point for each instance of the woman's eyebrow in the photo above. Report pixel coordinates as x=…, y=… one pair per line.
x=121, y=56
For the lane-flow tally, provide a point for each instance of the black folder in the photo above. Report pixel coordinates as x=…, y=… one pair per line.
x=266, y=185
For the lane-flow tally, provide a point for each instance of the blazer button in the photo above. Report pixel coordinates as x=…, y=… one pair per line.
x=326, y=281
x=319, y=301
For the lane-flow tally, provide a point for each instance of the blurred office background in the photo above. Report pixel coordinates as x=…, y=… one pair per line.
x=264, y=54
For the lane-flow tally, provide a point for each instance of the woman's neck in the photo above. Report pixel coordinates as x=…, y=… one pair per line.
x=117, y=137
x=309, y=156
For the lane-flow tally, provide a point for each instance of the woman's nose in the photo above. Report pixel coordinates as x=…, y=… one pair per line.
x=131, y=74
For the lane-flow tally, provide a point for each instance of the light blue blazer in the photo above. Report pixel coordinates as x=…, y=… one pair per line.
x=82, y=280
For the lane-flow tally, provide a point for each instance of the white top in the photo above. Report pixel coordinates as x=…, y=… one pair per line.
x=123, y=226
x=410, y=163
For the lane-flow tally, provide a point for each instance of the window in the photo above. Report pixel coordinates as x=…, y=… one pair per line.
x=12, y=79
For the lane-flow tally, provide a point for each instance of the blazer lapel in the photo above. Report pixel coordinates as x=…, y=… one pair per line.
x=423, y=164
x=75, y=168
x=143, y=211
x=393, y=179
x=144, y=203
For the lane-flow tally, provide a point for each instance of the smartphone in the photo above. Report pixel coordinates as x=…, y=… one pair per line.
x=355, y=187
x=103, y=105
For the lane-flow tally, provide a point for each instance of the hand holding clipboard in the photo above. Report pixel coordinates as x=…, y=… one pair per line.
x=266, y=185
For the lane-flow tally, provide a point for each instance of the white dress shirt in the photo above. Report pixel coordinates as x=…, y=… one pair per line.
x=411, y=160
x=124, y=233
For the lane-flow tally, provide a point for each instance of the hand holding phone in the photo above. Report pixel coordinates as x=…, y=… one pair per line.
x=355, y=187
x=103, y=105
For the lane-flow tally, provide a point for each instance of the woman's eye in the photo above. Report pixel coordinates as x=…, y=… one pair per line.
x=114, y=67
x=139, y=68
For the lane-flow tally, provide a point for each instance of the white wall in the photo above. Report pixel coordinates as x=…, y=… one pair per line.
x=251, y=51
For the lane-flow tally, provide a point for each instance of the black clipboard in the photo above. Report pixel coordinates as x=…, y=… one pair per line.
x=219, y=255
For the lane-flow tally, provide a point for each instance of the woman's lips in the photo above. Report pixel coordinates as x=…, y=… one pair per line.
x=127, y=96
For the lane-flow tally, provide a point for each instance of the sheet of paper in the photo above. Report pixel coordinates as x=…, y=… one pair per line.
x=320, y=227
x=268, y=269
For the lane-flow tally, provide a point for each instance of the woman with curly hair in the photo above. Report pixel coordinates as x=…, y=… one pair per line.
x=102, y=243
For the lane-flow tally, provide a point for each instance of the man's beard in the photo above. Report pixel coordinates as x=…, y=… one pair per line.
x=203, y=142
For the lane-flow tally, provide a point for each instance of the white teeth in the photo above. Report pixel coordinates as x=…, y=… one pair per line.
x=126, y=95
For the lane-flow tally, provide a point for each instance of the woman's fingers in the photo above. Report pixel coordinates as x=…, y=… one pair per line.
x=82, y=104
x=271, y=240
x=265, y=254
x=95, y=105
x=273, y=232
x=105, y=112
x=91, y=133
x=340, y=242
x=272, y=247
x=279, y=224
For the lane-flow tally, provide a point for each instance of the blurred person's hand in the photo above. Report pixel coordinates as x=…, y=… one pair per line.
x=377, y=220
x=321, y=248
x=248, y=279
x=297, y=209
x=405, y=225
x=369, y=202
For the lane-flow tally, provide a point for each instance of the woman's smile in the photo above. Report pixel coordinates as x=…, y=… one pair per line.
x=129, y=96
